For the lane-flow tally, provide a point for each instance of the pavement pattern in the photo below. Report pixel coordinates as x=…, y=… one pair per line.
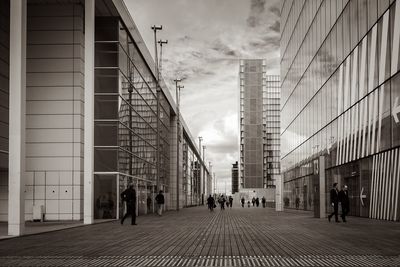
x=197, y=237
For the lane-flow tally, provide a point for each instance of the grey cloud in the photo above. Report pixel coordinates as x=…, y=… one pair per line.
x=275, y=10
x=221, y=47
x=276, y=27
x=257, y=8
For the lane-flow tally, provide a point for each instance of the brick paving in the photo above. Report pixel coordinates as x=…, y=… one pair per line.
x=196, y=237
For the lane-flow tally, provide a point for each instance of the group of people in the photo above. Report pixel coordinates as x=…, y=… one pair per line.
x=129, y=196
x=222, y=200
x=255, y=201
x=341, y=197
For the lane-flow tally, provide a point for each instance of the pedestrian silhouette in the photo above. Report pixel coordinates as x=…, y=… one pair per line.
x=230, y=201
x=160, y=202
x=257, y=202
x=210, y=203
x=263, y=201
x=253, y=201
x=334, y=202
x=129, y=196
x=149, y=204
x=242, y=201
x=344, y=201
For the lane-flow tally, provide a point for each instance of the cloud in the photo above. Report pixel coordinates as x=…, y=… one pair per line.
x=257, y=8
x=276, y=27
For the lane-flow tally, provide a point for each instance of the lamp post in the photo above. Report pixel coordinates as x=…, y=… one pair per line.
x=161, y=42
x=204, y=178
x=156, y=28
x=178, y=90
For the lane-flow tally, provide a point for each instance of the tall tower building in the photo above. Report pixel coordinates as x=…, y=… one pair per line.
x=340, y=105
x=259, y=125
x=235, y=178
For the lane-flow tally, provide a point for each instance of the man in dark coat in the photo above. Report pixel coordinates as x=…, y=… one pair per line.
x=129, y=195
x=334, y=202
x=344, y=201
x=210, y=203
x=160, y=202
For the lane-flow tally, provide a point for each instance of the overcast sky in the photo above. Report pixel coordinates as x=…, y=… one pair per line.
x=206, y=39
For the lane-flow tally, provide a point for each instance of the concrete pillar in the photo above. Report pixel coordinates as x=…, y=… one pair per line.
x=88, y=205
x=322, y=195
x=16, y=198
x=172, y=186
x=279, y=194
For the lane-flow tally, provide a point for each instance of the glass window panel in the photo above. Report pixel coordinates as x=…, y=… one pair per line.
x=362, y=18
x=105, y=195
x=384, y=100
x=106, y=107
x=395, y=110
x=372, y=12
x=105, y=159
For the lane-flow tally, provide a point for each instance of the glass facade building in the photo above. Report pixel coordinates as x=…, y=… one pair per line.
x=235, y=178
x=86, y=124
x=340, y=104
x=259, y=125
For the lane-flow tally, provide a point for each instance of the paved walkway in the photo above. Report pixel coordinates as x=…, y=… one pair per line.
x=196, y=237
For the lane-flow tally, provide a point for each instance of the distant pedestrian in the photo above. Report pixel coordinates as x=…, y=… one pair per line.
x=242, y=201
x=257, y=202
x=335, y=202
x=210, y=203
x=222, y=202
x=253, y=201
x=149, y=204
x=248, y=203
x=129, y=196
x=297, y=203
x=230, y=201
x=160, y=202
x=263, y=201
x=344, y=201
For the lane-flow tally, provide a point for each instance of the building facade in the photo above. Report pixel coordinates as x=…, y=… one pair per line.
x=340, y=105
x=235, y=178
x=82, y=116
x=259, y=125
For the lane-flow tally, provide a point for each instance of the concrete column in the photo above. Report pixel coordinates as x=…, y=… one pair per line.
x=172, y=186
x=279, y=194
x=322, y=195
x=16, y=198
x=88, y=208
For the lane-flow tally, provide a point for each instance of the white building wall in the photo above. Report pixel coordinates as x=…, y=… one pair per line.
x=54, y=111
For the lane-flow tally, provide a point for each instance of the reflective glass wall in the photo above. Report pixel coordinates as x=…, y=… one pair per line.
x=191, y=175
x=340, y=93
x=126, y=117
x=271, y=114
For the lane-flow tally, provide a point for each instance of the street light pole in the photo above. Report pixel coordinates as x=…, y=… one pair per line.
x=204, y=177
x=161, y=42
x=178, y=89
x=156, y=28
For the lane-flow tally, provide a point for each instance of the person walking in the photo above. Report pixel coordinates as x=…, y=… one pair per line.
x=242, y=201
x=263, y=201
x=230, y=201
x=222, y=202
x=148, y=204
x=160, y=202
x=335, y=203
x=129, y=196
x=344, y=201
x=257, y=202
x=253, y=200
x=210, y=203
